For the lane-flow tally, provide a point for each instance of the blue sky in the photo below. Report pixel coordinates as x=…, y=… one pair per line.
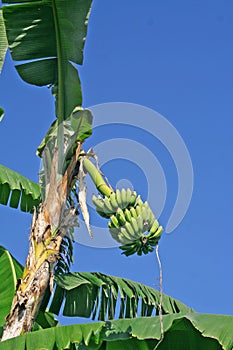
x=175, y=57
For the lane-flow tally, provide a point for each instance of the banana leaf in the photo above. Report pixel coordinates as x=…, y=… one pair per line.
x=15, y=190
x=10, y=271
x=181, y=332
x=3, y=44
x=48, y=36
x=104, y=297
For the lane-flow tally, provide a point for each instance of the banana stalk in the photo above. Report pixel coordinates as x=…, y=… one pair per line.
x=97, y=178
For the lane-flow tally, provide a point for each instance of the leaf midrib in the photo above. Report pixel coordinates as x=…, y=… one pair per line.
x=60, y=98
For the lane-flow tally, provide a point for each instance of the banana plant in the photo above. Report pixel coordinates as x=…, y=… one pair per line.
x=38, y=35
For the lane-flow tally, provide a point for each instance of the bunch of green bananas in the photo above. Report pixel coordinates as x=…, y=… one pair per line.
x=132, y=223
x=106, y=206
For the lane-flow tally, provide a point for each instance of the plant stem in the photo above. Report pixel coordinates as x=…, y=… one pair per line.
x=97, y=178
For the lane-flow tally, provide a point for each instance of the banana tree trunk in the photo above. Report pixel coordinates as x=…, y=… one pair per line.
x=45, y=240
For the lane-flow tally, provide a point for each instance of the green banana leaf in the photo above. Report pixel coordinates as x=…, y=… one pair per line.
x=104, y=297
x=16, y=189
x=181, y=332
x=10, y=271
x=3, y=43
x=44, y=319
x=49, y=35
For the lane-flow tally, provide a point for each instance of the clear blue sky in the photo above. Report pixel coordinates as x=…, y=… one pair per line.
x=175, y=57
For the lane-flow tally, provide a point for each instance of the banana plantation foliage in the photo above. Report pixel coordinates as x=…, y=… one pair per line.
x=127, y=314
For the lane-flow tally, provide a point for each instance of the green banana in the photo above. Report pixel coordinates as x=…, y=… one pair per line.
x=140, y=224
x=133, y=212
x=138, y=209
x=143, y=211
x=154, y=227
x=110, y=225
x=113, y=202
x=99, y=206
x=151, y=219
x=130, y=230
x=120, y=217
x=127, y=215
x=128, y=196
x=118, y=197
x=108, y=207
x=98, y=202
x=124, y=201
x=135, y=226
x=114, y=221
x=157, y=234
x=125, y=237
x=133, y=198
x=138, y=201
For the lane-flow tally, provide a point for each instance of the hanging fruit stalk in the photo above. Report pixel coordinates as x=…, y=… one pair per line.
x=131, y=221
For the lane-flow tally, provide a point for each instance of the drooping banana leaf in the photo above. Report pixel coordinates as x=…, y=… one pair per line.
x=3, y=43
x=15, y=190
x=104, y=297
x=49, y=35
x=181, y=332
x=10, y=271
